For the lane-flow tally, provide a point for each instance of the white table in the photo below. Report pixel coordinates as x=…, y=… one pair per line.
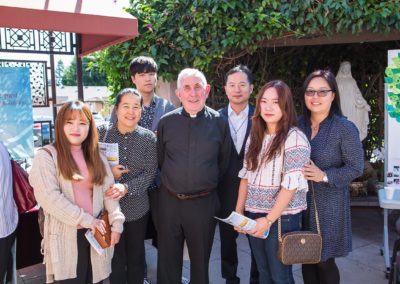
x=387, y=204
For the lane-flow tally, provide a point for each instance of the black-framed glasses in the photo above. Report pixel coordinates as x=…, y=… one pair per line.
x=320, y=93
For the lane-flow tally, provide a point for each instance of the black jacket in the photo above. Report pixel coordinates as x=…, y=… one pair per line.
x=193, y=153
x=229, y=184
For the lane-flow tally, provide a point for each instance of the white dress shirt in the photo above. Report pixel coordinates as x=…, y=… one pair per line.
x=8, y=209
x=238, y=126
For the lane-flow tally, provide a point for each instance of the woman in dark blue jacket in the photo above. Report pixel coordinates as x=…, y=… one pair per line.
x=337, y=159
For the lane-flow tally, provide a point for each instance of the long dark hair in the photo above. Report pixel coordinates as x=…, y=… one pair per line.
x=331, y=80
x=65, y=161
x=260, y=128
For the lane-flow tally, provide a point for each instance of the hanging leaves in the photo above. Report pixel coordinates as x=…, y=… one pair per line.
x=206, y=33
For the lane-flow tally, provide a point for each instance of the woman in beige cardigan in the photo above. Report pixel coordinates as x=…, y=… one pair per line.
x=69, y=184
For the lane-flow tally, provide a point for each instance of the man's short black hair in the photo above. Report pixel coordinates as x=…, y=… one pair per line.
x=142, y=64
x=240, y=68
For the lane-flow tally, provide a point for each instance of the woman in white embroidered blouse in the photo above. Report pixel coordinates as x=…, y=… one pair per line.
x=273, y=185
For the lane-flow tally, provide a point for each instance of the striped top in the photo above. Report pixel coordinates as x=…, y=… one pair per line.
x=8, y=209
x=284, y=171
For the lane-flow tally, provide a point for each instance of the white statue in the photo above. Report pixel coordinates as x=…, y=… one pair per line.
x=353, y=105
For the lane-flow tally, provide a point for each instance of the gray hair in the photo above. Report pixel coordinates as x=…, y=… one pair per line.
x=188, y=72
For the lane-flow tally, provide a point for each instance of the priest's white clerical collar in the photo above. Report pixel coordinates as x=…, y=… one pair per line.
x=195, y=115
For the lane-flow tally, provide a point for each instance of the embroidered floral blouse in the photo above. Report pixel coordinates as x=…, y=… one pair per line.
x=285, y=171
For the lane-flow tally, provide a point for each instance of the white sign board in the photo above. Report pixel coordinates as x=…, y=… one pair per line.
x=392, y=136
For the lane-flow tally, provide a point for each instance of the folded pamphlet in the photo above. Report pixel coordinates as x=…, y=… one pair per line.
x=110, y=150
x=238, y=220
x=93, y=242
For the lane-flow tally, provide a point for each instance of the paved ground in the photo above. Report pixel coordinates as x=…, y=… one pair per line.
x=364, y=265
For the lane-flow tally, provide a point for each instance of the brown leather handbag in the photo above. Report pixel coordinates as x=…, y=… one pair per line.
x=22, y=190
x=300, y=247
x=104, y=240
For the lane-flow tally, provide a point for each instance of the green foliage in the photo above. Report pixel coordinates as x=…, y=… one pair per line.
x=91, y=73
x=293, y=64
x=69, y=77
x=198, y=34
x=215, y=35
x=59, y=72
x=326, y=17
x=208, y=34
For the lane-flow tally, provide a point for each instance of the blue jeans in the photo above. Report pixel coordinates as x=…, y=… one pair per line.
x=270, y=269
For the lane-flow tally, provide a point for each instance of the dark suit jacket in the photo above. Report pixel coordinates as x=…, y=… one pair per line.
x=229, y=184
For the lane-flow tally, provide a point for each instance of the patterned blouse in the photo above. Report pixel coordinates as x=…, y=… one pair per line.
x=146, y=120
x=138, y=153
x=284, y=171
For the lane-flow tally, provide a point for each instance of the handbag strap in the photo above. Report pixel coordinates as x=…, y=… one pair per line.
x=316, y=216
x=106, y=134
x=48, y=151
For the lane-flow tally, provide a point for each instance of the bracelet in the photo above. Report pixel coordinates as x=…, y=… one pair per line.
x=268, y=221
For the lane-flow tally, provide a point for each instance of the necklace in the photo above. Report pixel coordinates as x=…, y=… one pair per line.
x=240, y=126
x=235, y=130
x=315, y=128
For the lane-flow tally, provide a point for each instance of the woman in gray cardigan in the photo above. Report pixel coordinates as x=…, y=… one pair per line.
x=69, y=181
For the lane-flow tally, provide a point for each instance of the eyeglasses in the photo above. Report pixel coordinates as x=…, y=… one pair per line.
x=320, y=93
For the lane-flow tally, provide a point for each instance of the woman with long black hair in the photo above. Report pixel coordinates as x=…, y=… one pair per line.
x=337, y=159
x=273, y=185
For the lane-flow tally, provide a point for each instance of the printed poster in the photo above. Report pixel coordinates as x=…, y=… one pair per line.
x=16, y=112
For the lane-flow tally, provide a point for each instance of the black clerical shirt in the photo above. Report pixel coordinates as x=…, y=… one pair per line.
x=193, y=152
